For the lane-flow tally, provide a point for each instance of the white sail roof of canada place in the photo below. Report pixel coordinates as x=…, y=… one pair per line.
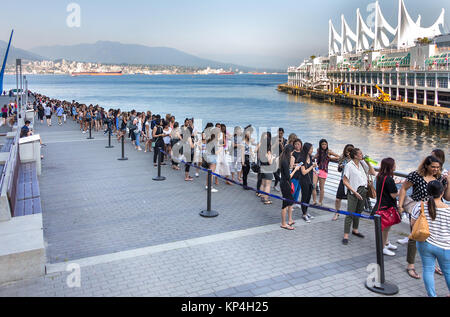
x=408, y=31
x=382, y=29
x=363, y=34
x=335, y=41
x=384, y=36
x=347, y=37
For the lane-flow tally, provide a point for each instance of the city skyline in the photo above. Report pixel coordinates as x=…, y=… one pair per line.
x=251, y=33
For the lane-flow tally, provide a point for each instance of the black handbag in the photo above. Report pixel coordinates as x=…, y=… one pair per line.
x=255, y=167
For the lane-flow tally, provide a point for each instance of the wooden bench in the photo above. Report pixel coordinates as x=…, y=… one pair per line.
x=28, y=196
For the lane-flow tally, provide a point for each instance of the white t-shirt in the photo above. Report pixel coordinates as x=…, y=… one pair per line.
x=167, y=138
x=356, y=174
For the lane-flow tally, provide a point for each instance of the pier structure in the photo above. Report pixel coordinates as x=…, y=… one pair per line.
x=415, y=112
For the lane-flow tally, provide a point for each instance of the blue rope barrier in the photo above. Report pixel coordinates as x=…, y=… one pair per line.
x=342, y=212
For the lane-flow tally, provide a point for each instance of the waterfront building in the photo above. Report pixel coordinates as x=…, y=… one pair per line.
x=409, y=62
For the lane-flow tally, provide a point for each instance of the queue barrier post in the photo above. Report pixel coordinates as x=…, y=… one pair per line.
x=123, y=158
x=109, y=140
x=90, y=130
x=380, y=286
x=208, y=213
x=159, y=178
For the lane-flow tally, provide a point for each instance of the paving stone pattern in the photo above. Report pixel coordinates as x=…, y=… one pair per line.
x=94, y=205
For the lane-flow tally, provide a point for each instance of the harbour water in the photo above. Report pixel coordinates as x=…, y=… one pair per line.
x=251, y=99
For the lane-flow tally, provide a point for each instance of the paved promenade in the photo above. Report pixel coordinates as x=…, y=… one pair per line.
x=132, y=236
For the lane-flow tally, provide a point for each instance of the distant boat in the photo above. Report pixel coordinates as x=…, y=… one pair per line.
x=227, y=73
x=74, y=74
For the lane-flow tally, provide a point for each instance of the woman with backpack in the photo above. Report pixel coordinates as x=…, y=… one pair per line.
x=437, y=246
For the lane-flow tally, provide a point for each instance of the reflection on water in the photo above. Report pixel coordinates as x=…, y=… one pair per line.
x=244, y=99
x=377, y=134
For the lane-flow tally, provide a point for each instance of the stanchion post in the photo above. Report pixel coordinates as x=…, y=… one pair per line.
x=159, y=178
x=109, y=141
x=380, y=286
x=90, y=130
x=123, y=158
x=208, y=213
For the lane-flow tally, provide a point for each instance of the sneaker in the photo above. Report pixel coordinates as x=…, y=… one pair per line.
x=213, y=190
x=311, y=217
x=391, y=246
x=276, y=189
x=403, y=241
x=197, y=175
x=306, y=218
x=84, y=132
x=388, y=252
x=297, y=207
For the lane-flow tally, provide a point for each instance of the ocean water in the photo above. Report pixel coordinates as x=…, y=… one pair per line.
x=252, y=99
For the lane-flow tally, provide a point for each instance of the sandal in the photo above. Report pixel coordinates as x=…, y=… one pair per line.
x=291, y=224
x=288, y=228
x=267, y=202
x=190, y=179
x=335, y=218
x=414, y=273
x=438, y=271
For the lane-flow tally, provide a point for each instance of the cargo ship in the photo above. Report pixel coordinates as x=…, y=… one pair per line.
x=74, y=74
x=227, y=73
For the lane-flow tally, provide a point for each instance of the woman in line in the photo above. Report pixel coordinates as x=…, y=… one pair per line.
x=387, y=194
x=323, y=156
x=188, y=149
x=246, y=157
x=4, y=114
x=286, y=186
x=41, y=113
x=295, y=160
x=175, y=138
x=428, y=171
x=264, y=152
x=158, y=135
x=355, y=180
x=123, y=127
x=211, y=145
x=48, y=114
x=223, y=167
x=137, y=132
x=437, y=246
x=341, y=195
x=167, y=131
x=236, y=155
x=306, y=178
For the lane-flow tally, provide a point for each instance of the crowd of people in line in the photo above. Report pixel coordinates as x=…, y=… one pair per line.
x=297, y=169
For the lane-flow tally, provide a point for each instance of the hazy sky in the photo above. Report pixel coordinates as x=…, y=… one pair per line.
x=276, y=32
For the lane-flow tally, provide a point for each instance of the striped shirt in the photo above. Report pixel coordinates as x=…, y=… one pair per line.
x=439, y=228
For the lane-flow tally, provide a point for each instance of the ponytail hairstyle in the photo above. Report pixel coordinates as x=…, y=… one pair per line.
x=435, y=190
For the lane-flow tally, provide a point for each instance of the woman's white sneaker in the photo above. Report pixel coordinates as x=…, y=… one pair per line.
x=391, y=246
x=388, y=252
x=403, y=241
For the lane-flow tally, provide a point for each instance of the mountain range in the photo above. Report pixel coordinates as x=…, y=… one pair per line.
x=15, y=53
x=117, y=53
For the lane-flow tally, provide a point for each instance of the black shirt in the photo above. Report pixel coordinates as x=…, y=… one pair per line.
x=285, y=173
x=386, y=198
x=297, y=160
x=308, y=178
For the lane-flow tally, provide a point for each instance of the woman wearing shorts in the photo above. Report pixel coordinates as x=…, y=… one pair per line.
x=323, y=156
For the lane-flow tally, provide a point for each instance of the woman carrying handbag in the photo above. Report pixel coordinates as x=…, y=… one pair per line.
x=432, y=235
x=386, y=206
